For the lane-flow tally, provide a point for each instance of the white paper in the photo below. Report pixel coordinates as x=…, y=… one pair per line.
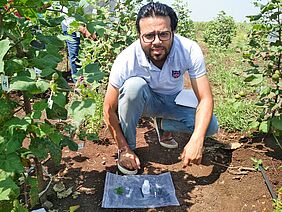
x=187, y=98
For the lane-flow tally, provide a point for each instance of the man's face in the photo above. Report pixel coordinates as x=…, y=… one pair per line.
x=156, y=38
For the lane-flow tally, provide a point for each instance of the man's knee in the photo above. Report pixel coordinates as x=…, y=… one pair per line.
x=213, y=127
x=133, y=87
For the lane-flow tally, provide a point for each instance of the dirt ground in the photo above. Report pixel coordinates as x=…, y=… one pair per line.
x=223, y=182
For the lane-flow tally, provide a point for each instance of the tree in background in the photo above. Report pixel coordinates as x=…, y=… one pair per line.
x=220, y=31
x=185, y=25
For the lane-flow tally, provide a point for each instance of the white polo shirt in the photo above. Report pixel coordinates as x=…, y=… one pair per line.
x=185, y=55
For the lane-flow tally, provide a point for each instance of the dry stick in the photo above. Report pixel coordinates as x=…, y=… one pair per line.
x=241, y=169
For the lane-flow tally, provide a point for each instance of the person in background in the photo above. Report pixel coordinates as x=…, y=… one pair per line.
x=74, y=43
x=144, y=81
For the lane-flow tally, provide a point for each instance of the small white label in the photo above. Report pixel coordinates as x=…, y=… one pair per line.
x=37, y=71
x=50, y=101
x=5, y=83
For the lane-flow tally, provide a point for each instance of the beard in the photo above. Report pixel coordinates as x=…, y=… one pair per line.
x=157, y=53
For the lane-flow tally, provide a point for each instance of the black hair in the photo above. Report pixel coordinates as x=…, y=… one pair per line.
x=156, y=9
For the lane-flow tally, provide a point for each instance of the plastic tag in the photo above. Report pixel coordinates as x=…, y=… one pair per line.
x=37, y=71
x=50, y=101
x=5, y=83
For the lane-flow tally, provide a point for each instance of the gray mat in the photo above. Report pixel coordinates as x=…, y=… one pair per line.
x=125, y=191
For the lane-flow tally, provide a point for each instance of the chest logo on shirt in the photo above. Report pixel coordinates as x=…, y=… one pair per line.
x=175, y=74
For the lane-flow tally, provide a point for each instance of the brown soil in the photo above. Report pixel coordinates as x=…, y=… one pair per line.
x=222, y=182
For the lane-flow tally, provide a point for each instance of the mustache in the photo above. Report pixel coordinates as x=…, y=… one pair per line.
x=157, y=46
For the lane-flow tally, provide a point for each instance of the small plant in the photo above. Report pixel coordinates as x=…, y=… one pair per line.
x=119, y=190
x=257, y=163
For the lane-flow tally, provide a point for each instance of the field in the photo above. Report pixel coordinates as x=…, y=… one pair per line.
x=55, y=149
x=225, y=181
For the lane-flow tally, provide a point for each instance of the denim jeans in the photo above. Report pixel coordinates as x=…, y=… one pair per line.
x=136, y=99
x=73, y=48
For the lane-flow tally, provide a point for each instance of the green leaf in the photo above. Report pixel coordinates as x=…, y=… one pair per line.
x=51, y=22
x=15, y=142
x=16, y=124
x=55, y=152
x=264, y=126
x=39, y=147
x=8, y=189
x=60, y=99
x=48, y=61
x=98, y=27
x=56, y=137
x=80, y=109
x=11, y=163
x=3, y=2
x=54, y=40
x=14, y=66
x=41, y=105
x=4, y=47
x=92, y=73
x=47, y=71
x=254, y=79
x=277, y=122
x=70, y=143
x=56, y=112
x=254, y=125
x=36, y=114
x=24, y=83
x=46, y=128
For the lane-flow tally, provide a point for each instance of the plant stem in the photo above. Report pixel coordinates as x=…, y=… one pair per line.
x=27, y=105
x=39, y=174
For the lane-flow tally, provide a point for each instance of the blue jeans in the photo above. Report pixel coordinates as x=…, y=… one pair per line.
x=136, y=99
x=73, y=48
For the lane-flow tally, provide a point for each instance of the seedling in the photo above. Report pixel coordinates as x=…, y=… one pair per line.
x=256, y=163
x=119, y=190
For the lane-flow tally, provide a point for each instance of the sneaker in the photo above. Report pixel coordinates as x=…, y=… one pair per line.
x=125, y=170
x=167, y=142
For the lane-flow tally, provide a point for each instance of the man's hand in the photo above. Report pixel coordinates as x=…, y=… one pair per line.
x=192, y=152
x=128, y=159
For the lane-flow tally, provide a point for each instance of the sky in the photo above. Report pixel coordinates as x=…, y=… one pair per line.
x=206, y=10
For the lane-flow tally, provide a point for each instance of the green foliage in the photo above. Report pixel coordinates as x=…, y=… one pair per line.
x=29, y=59
x=185, y=26
x=264, y=55
x=256, y=163
x=220, y=32
x=233, y=107
x=115, y=29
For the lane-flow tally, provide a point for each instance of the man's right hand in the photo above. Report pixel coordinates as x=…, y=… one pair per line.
x=128, y=159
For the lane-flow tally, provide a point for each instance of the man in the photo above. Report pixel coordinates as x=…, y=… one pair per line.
x=145, y=80
x=73, y=44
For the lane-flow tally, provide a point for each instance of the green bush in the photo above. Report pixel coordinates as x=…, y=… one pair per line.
x=219, y=32
x=264, y=53
x=185, y=26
